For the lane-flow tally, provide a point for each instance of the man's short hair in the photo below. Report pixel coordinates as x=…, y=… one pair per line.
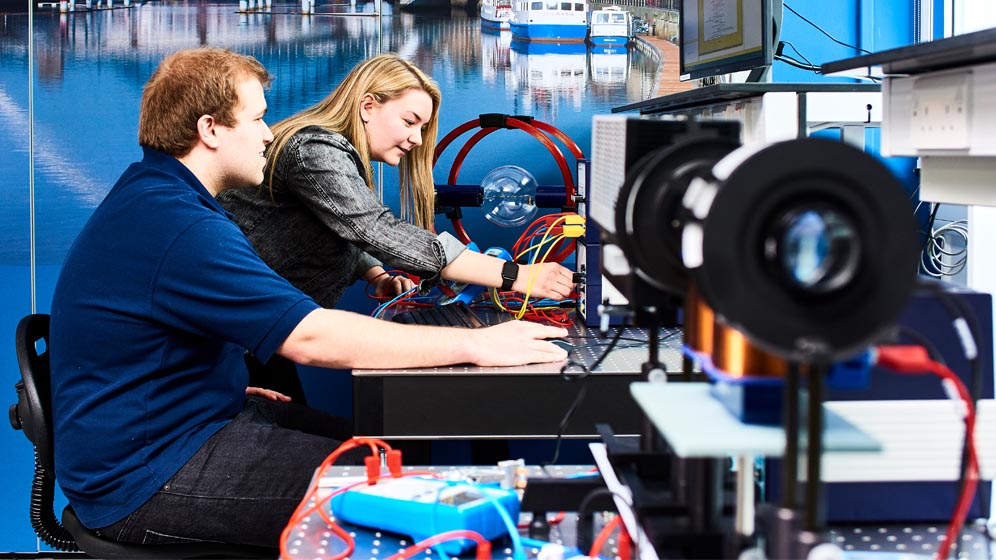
x=188, y=85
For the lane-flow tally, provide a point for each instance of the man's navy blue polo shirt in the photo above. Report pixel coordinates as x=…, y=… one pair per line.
x=157, y=301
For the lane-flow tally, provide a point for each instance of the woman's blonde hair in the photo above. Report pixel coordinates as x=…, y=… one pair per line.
x=385, y=77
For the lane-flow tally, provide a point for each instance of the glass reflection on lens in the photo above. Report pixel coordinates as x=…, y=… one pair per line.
x=819, y=250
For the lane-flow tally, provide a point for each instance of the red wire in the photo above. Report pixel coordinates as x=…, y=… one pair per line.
x=483, y=544
x=603, y=536
x=370, y=283
x=461, y=233
x=557, y=316
x=561, y=249
x=915, y=359
x=304, y=510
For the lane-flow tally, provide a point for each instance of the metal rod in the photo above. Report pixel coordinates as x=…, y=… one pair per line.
x=790, y=421
x=744, y=512
x=648, y=434
x=814, y=451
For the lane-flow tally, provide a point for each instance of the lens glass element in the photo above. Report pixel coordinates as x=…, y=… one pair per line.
x=818, y=250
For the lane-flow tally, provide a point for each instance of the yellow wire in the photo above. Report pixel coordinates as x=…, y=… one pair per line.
x=497, y=300
x=501, y=306
x=543, y=240
x=546, y=239
x=534, y=272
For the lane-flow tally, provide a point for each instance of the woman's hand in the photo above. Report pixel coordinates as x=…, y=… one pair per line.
x=266, y=394
x=386, y=285
x=544, y=280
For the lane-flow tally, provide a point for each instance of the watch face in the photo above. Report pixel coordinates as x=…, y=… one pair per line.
x=509, y=272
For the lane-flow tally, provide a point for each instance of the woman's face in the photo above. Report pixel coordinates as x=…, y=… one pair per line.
x=395, y=126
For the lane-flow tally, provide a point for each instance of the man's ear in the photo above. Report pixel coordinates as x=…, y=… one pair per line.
x=367, y=104
x=206, y=131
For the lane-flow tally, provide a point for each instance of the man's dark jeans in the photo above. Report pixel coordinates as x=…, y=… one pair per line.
x=245, y=482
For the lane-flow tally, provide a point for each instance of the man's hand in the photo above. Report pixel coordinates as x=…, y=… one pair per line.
x=267, y=394
x=514, y=343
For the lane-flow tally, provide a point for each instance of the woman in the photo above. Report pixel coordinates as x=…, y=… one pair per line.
x=317, y=221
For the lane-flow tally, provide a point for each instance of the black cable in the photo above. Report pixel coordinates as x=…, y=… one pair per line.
x=820, y=29
x=929, y=233
x=798, y=52
x=585, y=536
x=585, y=372
x=921, y=340
x=793, y=62
x=43, y=520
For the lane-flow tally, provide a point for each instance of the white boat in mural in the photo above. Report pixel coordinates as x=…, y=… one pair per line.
x=611, y=25
x=496, y=13
x=550, y=21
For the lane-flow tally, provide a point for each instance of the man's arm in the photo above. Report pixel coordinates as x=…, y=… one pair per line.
x=341, y=339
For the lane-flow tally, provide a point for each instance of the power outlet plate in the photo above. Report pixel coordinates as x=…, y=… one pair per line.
x=940, y=113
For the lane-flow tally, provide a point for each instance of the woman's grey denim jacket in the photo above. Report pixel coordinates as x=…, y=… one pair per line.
x=323, y=228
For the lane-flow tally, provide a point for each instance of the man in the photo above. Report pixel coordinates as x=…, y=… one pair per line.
x=159, y=298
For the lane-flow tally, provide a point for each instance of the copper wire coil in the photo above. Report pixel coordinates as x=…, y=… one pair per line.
x=734, y=355
x=699, y=319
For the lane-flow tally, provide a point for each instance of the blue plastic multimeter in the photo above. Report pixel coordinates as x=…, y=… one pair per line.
x=423, y=507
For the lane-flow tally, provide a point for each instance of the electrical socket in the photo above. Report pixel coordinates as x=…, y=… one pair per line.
x=941, y=118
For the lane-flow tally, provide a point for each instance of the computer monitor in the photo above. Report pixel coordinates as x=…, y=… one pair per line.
x=724, y=36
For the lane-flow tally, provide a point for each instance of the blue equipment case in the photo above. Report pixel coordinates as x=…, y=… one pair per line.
x=423, y=507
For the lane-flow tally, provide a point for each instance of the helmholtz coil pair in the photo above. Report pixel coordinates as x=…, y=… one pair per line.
x=807, y=246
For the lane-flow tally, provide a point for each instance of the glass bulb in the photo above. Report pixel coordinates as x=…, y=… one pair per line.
x=509, y=196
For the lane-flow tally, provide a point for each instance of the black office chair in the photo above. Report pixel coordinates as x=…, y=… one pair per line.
x=32, y=414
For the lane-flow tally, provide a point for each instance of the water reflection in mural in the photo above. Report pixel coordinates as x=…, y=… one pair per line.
x=90, y=67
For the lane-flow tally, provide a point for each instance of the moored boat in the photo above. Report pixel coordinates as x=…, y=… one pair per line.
x=496, y=13
x=551, y=21
x=610, y=25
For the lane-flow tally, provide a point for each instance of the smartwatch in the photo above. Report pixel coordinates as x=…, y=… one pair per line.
x=509, y=272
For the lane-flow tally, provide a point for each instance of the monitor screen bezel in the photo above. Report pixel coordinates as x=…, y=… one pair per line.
x=753, y=61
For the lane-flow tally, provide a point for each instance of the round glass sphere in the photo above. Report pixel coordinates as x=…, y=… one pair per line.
x=509, y=196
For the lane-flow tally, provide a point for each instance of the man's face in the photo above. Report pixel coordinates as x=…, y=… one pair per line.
x=241, y=146
x=395, y=127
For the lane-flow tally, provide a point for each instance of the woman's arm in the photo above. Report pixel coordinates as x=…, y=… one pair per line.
x=325, y=176
x=544, y=280
x=322, y=171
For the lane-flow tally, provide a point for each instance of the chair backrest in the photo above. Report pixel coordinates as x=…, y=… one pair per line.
x=33, y=415
x=34, y=391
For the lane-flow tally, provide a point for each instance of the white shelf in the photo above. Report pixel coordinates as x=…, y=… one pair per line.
x=697, y=425
x=881, y=440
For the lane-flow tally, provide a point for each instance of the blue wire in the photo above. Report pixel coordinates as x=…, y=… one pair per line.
x=380, y=308
x=513, y=531
x=518, y=551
